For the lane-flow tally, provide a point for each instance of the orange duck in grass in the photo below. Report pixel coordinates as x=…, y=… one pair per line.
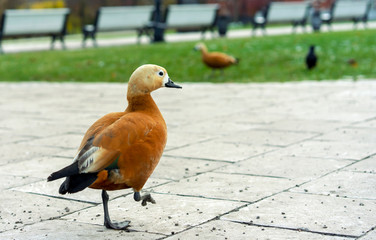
x=121, y=149
x=215, y=60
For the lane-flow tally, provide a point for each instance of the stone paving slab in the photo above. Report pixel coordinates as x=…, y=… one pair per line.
x=299, y=125
x=267, y=137
x=40, y=167
x=10, y=181
x=162, y=217
x=350, y=135
x=344, y=184
x=220, y=151
x=289, y=167
x=332, y=150
x=174, y=168
x=62, y=229
x=369, y=236
x=310, y=213
x=230, y=230
x=366, y=166
x=235, y=187
x=236, y=153
x=17, y=152
x=367, y=124
x=19, y=209
x=89, y=196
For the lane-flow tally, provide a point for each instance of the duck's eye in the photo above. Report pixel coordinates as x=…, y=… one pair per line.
x=160, y=73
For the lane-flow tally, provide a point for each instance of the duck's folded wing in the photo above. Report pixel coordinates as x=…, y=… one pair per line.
x=90, y=159
x=219, y=59
x=94, y=159
x=103, y=150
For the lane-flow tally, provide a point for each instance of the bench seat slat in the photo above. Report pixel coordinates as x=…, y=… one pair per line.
x=28, y=22
x=344, y=9
x=355, y=11
x=293, y=12
x=284, y=12
x=191, y=15
x=123, y=18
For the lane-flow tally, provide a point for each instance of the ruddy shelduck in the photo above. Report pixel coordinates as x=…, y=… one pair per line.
x=122, y=149
x=215, y=60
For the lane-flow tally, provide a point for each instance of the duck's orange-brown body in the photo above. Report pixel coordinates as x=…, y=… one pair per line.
x=138, y=135
x=215, y=60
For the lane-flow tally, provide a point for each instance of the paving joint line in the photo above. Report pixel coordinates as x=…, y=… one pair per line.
x=336, y=196
x=195, y=158
x=190, y=144
x=369, y=230
x=296, y=229
x=335, y=170
x=253, y=175
x=200, y=224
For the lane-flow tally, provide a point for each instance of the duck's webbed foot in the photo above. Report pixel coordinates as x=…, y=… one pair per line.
x=145, y=198
x=117, y=225
x=107, y=220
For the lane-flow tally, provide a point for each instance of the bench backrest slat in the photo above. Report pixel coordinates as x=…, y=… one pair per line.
x=122, y=18
x=191, y=15
x=287, y=11
x=349, y=9
x=36, y=21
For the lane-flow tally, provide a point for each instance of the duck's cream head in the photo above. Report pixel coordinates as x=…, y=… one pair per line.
x=200, y=47
x=147, y=78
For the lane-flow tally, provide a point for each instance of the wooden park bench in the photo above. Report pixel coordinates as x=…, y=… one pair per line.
x=22, y=23
x=118, y=19
x=347, y=10
x=293, y=12
x=187, y=17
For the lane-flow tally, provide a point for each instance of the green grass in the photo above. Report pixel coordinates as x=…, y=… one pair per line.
x=262, y=59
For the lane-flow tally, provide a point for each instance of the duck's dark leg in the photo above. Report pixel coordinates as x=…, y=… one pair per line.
x=107, y=220
x=145, y=198
x=212, y=74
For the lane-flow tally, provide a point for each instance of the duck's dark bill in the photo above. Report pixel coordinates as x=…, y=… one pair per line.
x=171, y=84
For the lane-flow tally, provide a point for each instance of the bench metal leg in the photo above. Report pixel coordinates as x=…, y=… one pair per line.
x=263, y=27
x=95, y=41
x=365, y=24
x=84, y=41
x=254, y=28
x=330, y=26
x=62, y=42
x=148, y=32
x=53, y=42
x=294, y=26
x=203, y=33
x=212, y=32
x=1, y=47
x=140, y=32
x=89, y=35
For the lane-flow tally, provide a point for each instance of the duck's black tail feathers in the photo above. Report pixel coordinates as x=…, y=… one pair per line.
x=76, y=183
x=65, y=172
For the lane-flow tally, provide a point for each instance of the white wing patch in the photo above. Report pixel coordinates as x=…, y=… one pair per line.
x=86, y=160
x=95, y=159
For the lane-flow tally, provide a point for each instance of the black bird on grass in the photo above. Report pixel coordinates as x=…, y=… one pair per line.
x=311, y=58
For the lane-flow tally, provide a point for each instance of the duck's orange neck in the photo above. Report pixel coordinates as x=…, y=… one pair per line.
x=204, y=50
x=142, y=102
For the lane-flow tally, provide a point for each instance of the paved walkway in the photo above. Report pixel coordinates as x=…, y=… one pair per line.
x=243, y=161
x=75, y=41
